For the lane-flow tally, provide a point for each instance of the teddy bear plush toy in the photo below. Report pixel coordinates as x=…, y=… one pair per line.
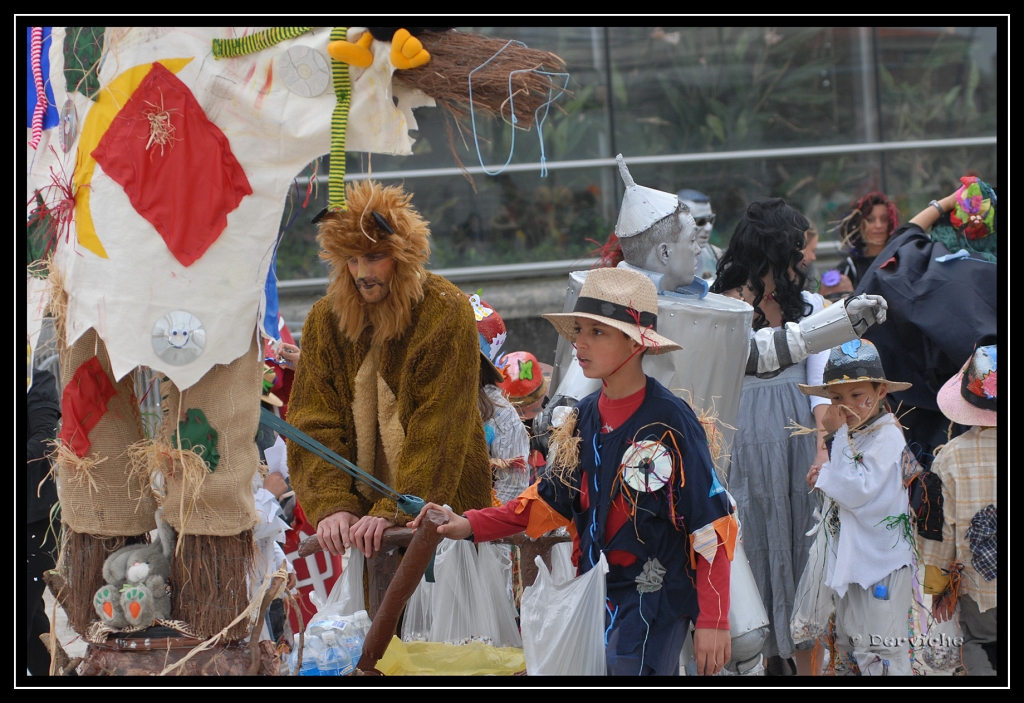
x=136, y=591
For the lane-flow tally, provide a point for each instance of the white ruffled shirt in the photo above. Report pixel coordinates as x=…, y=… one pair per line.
x=868, y=490
x=511, y=441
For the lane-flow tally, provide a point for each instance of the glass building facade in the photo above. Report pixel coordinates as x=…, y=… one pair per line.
x=815, y=115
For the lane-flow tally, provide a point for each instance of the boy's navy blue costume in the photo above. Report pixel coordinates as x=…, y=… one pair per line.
x=649, y=626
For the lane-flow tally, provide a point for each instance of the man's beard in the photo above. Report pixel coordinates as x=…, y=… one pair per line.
x=373, y=291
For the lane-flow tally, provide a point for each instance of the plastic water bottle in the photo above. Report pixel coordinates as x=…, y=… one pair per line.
x=881, y=592
x=354, y=646
x=312, y=649
x=335, y=659
x=362, y=622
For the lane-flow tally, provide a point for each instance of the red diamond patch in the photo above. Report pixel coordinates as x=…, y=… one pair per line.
x=174, y=164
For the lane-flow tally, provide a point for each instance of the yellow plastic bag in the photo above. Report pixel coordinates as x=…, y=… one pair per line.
x=438, y=659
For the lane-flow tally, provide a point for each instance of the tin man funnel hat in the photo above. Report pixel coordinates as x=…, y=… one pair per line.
x=641, y=206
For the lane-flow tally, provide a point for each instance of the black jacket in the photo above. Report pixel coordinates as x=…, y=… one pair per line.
x=937, y=311
x=43, y=416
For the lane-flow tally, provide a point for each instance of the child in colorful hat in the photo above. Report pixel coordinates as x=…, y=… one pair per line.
x=632, y=477
x=525, y=382
x=871, y=568
x=961, y=568
x=508, y=442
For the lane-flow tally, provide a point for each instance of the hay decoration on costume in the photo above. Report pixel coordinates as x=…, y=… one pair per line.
x=57, y=304
x=514, y=464
x=565, y=450
x=174, y=459
x=161, y=131
x=78, y=470
x=52, y=210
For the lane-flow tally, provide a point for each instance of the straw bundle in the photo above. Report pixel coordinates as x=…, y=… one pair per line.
x=565, y=450
x=81, y=569
x=453, y=55
x=209, y=589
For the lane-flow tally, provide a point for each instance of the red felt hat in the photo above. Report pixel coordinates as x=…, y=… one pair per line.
x=525, y=383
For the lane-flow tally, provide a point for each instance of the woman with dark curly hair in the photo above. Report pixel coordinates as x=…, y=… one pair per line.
x=863, y=233
x=768, y=465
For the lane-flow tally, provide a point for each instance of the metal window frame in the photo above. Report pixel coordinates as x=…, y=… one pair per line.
x=780, y=153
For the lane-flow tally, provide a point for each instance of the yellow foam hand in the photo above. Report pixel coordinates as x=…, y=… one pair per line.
x=407, y=51
x=355, y=54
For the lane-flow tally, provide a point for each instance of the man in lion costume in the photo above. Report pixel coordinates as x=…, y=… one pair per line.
x=388, y=376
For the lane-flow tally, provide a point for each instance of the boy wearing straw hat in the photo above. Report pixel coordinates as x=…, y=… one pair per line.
x=871, y=567
x=632, y=477
x=966, y=467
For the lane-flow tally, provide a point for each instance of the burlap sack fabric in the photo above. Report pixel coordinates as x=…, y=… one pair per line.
x=218, y=503
x=99, y=494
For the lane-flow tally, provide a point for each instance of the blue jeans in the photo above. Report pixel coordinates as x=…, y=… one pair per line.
x=659, y=654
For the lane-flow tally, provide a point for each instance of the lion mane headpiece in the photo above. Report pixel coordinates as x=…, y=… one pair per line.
x=344, y=234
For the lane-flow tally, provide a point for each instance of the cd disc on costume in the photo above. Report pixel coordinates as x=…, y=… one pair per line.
x=68, y=125
x=647, y=466
x=304, y=70
x=179, y=338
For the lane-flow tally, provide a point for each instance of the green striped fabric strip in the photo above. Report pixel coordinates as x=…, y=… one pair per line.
x=228, y=48
x=339, y=122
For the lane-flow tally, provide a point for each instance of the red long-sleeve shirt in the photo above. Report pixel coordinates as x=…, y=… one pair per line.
x=712, y=578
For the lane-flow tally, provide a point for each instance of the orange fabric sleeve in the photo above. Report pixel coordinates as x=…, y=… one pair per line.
x=543, y=518
x=726, y=528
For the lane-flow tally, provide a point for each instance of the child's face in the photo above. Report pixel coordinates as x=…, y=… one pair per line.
x=601, y=349
x=859, y=400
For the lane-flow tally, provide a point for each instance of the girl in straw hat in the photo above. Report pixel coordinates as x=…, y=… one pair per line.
x=870, y=567
x=966, y=467
x=632, y=478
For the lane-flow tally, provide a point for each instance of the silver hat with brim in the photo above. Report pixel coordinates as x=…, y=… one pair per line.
x=619, y=298
x=854, y=362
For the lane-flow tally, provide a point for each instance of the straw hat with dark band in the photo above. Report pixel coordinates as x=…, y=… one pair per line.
x=619, y=298
x=854, y=362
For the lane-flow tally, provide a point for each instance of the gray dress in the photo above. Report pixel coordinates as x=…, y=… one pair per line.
x=767, y=479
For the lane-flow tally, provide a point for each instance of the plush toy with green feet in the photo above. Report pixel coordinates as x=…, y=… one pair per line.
x=136, y=591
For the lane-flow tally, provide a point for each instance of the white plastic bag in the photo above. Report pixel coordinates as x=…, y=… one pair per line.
x=346, y=596
x=491, y=560
x=562, y=569
x=815, y=602
x=563, y=624
x=418, y=613
x=469, y=600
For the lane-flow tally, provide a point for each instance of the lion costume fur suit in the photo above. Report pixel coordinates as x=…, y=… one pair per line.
x=391, y=385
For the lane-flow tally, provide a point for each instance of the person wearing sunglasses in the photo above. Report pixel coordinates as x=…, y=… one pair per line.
x=700, y=208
